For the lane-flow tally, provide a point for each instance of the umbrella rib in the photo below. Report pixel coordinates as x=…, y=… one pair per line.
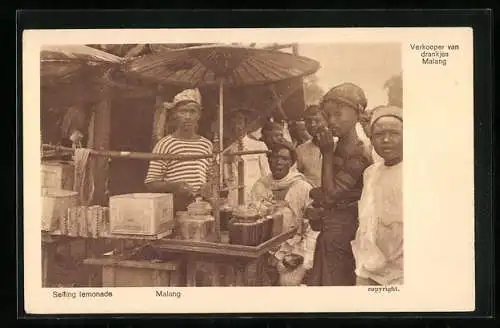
x=278, y=65
x=281, y=70
x=252, y=62
x=153, y=61
x=195, y=71
x=250, y=73
x=256, y=68
x=307, y=66
x=237, y=78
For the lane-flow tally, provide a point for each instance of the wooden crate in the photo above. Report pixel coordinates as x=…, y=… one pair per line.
x=58, y=175
x=141, y=213
x=128, y=273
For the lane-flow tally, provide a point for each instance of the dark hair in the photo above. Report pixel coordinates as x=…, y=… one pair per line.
x=247, y=114
x=270, y=126
x=312, y=110
x=276, y=147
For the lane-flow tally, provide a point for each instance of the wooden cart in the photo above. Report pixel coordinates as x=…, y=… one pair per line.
x=223, y=264
x=191, y=263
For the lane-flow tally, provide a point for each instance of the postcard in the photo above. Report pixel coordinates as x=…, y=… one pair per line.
x=248, y=170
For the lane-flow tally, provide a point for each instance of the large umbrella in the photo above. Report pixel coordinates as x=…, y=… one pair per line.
x=213, y=64
x=221, y=65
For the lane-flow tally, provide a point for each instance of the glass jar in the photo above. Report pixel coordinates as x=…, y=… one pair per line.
x=199, y=207
x=245, y=228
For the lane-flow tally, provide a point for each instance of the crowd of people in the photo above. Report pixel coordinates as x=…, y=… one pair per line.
x=339, y=169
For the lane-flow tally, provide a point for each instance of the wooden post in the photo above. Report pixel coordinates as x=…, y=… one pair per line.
x=159, y=119
x=241, y=174
x=102, y=127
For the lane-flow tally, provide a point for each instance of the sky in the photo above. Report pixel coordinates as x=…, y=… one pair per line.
x=367, y=65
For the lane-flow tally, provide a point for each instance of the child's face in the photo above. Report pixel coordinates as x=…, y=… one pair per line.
x=341, y=118
x=387, y=139
x=314, y=123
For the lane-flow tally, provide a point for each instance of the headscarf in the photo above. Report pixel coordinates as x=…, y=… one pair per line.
x=349, y=94
x=184, y=97
x=383, y=111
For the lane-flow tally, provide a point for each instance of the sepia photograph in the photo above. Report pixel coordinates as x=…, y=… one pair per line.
x=214, y=163
x=222, y=165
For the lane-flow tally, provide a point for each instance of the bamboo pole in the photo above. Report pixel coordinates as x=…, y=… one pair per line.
x=151, y=156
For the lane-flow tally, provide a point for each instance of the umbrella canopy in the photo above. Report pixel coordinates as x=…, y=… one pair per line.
x=210, y=64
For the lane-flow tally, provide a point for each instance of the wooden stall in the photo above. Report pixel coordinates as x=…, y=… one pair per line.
x=177, y=262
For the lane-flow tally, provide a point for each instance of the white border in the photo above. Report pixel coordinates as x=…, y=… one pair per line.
x=438, y=182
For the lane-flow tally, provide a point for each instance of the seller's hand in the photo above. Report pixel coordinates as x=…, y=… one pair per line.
x=325, y=140
x=313, y=213
x=206, y=191
x=185, y=189
x=318, y=196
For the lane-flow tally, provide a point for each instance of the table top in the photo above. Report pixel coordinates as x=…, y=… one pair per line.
x=166, y=243
x=220, y=248
x=56, y=235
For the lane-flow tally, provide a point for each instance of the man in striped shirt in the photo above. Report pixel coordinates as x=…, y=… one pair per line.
x=187, y=177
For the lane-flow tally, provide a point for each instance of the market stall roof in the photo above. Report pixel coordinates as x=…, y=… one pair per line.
x=80, y=71
x=77, y=52
x=63, y=62
x=206, y=65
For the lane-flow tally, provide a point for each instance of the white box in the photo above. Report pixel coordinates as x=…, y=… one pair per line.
x=55, y=205
x=58, y=175
x=141, y=213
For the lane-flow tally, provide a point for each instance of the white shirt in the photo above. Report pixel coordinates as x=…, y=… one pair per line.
x=310, y=162
x=378, y=246
x=255, y=167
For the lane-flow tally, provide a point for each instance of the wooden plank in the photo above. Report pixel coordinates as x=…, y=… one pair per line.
x=167, y=266
x=251, y=273
x=191, y=273
x=55, y=235
x=203, y=247
x=108, y=276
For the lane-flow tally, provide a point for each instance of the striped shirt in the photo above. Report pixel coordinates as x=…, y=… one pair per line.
x=193, y=172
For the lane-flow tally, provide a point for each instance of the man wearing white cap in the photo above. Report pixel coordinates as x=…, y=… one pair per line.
x=255, y=165
x=182, y=178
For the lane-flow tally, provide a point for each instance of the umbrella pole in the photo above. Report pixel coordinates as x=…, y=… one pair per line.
x=221, y=129
x=218, y=164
